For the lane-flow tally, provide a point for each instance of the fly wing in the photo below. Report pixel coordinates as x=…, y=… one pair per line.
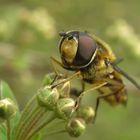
x=116, y=68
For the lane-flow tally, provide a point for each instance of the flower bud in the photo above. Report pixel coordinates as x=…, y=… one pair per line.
x=76, y=127
x=7, y=109
x=65, y=108
x=48, y=79
x=64, y=89
x=48, y=97
x=87, y=113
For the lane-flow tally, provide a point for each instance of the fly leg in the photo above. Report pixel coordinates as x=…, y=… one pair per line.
x=53, y=61
x=103, y=97
x=57, y=74
x=76, y=94
x=76, y=74
x=96, y=86
x=66, y=80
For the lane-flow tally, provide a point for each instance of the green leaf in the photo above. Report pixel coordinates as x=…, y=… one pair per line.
x=3, y=132
x=6, y=92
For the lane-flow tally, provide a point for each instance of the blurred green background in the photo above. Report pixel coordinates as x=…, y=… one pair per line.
x=29, y=36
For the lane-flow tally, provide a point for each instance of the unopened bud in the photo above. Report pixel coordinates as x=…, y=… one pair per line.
x=76, y=127
x=65, y=108
x=87, y=113
x=7, y=109
x=64, y=89
x=49, y=79
x=48, y=97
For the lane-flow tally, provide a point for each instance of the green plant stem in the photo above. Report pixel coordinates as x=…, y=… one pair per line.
x=24, y=117
x=8, y=129
x=34, y=121
x=41, y=127
x=27, y=123
x=56, y=132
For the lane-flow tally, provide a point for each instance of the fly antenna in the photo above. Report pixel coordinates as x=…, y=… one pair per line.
x=62, y=34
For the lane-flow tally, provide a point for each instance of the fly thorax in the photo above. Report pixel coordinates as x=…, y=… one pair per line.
x=88, y=73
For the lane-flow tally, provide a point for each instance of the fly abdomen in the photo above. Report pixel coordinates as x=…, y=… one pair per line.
x=116, y=94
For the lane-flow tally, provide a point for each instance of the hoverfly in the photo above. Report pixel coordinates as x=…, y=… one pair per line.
x=93, y=60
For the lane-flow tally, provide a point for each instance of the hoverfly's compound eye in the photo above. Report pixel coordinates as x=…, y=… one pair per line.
x=77, y=49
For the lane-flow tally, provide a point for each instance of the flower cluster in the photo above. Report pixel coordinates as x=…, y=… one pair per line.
x=53, y=104
x=59, y=100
